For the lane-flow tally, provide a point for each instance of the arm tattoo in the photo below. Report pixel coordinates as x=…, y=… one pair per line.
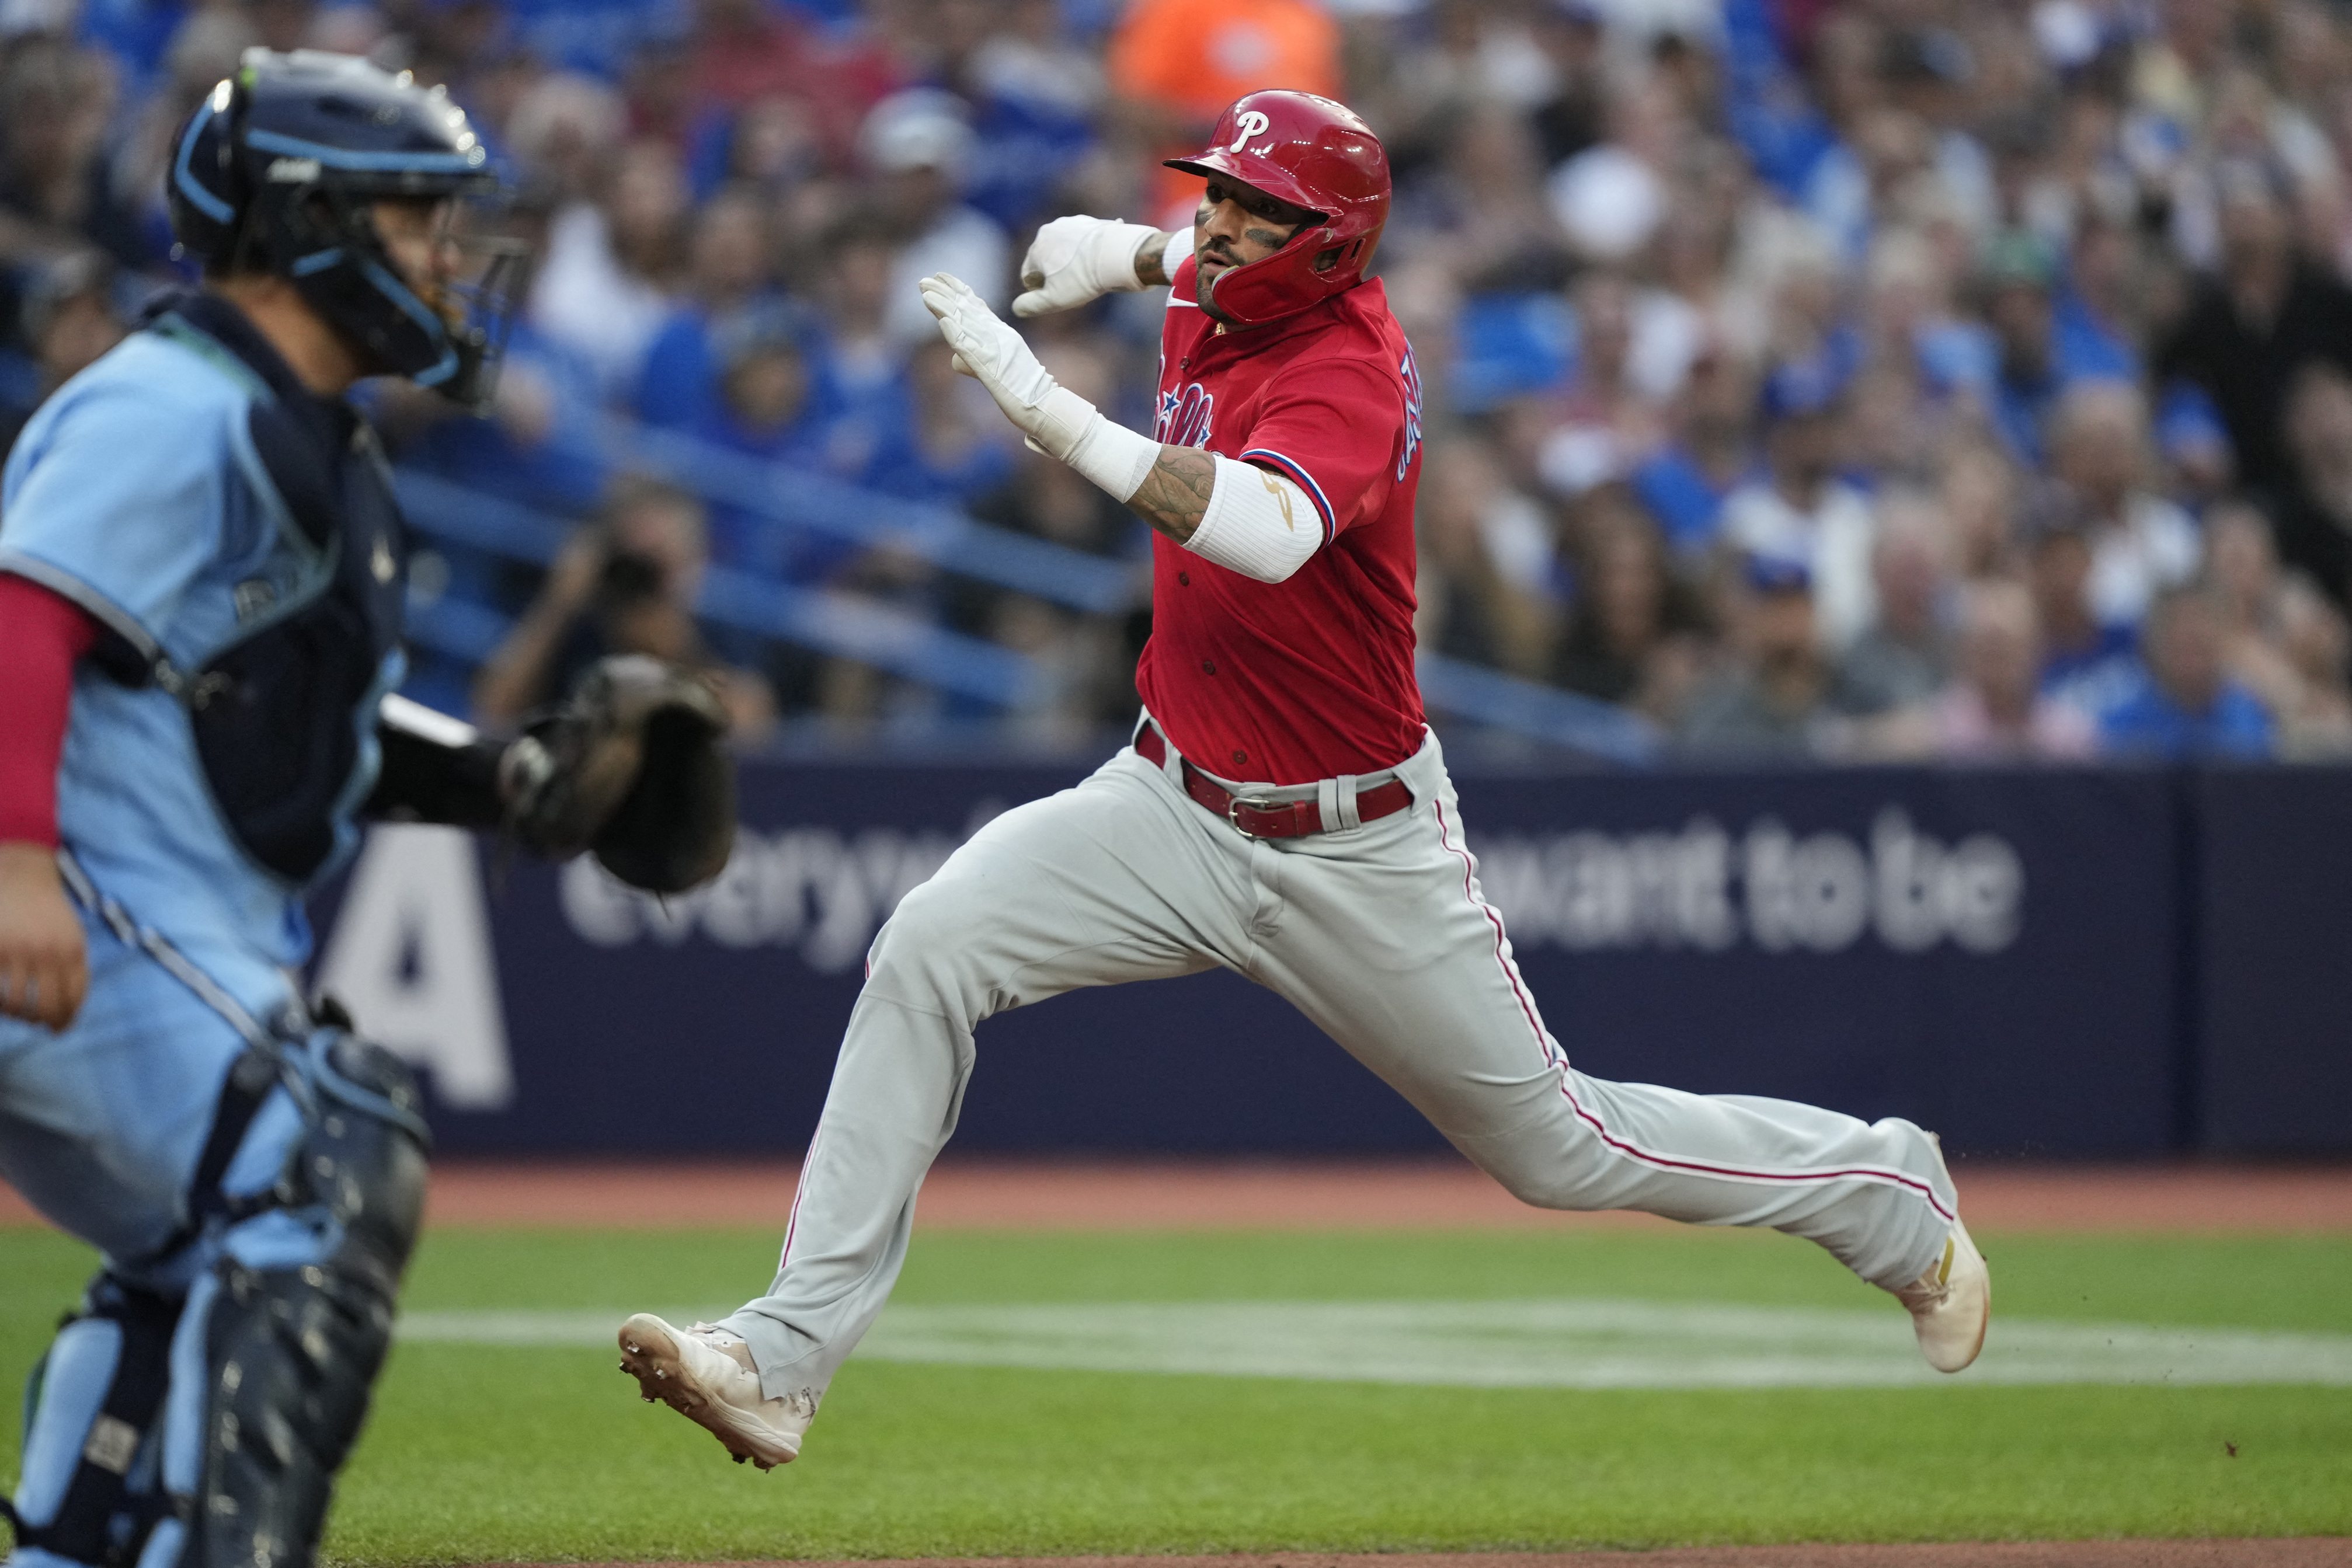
x=1149, y=271
x=1175, y=493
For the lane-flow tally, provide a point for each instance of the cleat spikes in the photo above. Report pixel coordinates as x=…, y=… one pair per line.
x=706, y=1376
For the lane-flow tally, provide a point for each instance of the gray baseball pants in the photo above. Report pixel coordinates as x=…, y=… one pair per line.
x=1380, y=935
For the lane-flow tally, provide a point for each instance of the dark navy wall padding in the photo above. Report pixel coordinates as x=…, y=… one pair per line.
x=1208, y=1064
x=1997, y=954
x=688, y=1046
x=2274, y=1073
x=2062, y=1043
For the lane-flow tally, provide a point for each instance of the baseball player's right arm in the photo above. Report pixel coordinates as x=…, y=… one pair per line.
x=1238, y=515
x=1077, y=260
x=105, y=529
x=44, y=962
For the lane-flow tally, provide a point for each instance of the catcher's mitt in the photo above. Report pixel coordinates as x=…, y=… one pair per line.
x=629, y=765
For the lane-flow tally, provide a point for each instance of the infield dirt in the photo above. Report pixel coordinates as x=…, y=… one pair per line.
x=1186, y=1195
x=1339, y=1195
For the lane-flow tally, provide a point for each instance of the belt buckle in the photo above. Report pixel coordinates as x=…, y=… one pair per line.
x=1233, y=804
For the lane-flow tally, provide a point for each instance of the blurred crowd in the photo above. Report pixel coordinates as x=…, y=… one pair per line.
x=1818, y=379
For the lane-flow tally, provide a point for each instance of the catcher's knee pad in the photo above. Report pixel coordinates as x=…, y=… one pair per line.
x=362, y=1158
x=290, y=1352
x=88, y=1490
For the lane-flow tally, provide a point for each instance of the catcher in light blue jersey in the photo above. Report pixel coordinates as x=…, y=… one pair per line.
x=201, y=591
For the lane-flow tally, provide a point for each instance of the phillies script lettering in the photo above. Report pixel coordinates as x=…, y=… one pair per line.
x=1184, y=416
x=1411, y=373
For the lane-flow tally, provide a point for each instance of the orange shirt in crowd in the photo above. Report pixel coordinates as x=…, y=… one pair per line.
x=1194, y=57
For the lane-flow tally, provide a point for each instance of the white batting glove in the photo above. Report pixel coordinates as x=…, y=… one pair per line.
x=1056, y=421
x=1078, y=259
x=994, y=354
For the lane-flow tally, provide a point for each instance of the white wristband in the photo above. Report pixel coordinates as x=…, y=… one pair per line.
x=1057, y=421
x=1257, y=522
x=1172, y=256
x=1113, y=456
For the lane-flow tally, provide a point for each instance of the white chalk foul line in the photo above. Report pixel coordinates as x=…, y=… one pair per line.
x=1503, y=1344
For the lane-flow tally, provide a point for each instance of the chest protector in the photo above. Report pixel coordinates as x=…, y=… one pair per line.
x=284, y=712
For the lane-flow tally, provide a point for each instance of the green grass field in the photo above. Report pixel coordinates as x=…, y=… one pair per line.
x=538, y=1449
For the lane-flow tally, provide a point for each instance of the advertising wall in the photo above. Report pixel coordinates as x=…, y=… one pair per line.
x=2270, y=879
x=2105, y=963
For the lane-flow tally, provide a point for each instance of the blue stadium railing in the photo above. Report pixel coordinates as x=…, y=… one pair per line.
x=1566, y=720
x=902, y=644
x=799, y=499
x=892, y=640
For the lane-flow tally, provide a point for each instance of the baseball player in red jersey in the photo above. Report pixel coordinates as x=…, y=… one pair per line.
x=1283, y=810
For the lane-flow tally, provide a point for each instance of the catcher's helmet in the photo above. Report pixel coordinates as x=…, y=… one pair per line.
x=276, y=171
x=1313, y=153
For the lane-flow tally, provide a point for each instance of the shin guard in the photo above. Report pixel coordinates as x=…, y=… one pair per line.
x=292, y=1353
x=89, y=1491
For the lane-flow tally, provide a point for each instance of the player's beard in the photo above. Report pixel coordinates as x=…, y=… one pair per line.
x=1205, y=283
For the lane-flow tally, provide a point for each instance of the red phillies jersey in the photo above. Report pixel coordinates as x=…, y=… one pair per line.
x=1286, y=683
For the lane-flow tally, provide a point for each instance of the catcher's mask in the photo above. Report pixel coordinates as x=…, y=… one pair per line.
x=279, y=172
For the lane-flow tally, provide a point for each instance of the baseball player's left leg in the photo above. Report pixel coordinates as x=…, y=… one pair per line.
x=1119, y=879
x=1385, y=941
x=254, y=1207
x=283, y=1337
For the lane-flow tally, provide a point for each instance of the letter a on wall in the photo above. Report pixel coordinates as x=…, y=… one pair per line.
x=411, y=958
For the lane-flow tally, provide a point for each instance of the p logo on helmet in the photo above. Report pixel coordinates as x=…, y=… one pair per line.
x=1317, y=155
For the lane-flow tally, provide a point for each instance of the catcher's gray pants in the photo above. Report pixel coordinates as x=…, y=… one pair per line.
x=1380, y=935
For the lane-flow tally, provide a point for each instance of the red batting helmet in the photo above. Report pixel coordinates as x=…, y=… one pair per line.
x=1313, y=153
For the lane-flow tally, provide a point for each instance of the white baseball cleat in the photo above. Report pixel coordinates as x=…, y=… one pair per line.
x=1951, y=1303
x=705, y=1374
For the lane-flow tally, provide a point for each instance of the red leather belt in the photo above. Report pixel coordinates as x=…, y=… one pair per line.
x=1270, y=819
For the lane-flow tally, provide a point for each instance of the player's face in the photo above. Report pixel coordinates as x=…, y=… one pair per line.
x=421, y=237
x=1235, y=226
